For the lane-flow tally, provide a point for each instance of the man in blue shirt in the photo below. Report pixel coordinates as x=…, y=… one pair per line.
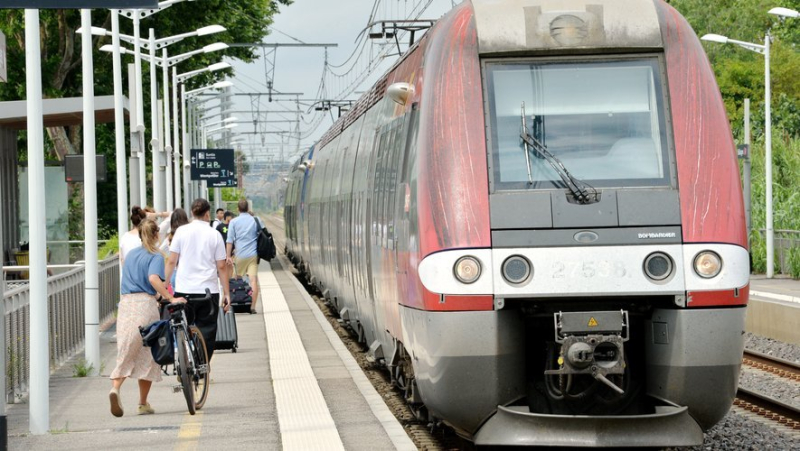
x=243, y=234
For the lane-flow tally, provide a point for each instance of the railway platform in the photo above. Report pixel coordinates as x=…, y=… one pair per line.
x=774, y=308
x=292, y=385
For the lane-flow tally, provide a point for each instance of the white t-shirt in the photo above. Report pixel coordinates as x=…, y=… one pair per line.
x=129, y=242
x=200, y=248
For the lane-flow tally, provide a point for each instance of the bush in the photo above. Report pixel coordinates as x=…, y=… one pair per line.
x=109, y=248
x=794, y=262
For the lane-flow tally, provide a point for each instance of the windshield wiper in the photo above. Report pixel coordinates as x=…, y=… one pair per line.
x=577, y=188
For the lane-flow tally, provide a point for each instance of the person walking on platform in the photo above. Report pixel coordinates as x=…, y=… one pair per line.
x=220, y=215
x=199, y=254
x=243, y=234
x=130, y=240
x=222, y=228
x=141, y=281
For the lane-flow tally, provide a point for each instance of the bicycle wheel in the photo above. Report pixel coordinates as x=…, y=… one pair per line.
x=202, y=374
x=184, y=370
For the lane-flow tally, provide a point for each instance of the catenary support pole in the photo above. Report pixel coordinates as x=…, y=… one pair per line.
x=746, y=170
x=91, y=298
x=768, y=158
x=39, y=399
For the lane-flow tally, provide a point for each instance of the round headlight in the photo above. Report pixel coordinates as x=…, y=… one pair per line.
x=707, y=264
x=516, y=269
x=658, y=266
x=467, y=269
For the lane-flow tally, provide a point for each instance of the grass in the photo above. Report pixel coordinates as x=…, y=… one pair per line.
x=82, y=369
x=785, y=198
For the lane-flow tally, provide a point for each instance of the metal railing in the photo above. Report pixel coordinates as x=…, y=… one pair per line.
x=65, y=297
x=785, y=240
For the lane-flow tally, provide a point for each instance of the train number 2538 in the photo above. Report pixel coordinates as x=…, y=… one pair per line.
x=589, y=269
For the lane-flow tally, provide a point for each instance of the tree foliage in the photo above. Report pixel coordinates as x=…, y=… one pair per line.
x=740, y=73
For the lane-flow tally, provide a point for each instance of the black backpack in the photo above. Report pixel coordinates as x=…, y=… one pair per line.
x=265, y=246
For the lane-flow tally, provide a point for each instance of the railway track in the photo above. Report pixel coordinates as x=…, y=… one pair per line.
x=763, y=405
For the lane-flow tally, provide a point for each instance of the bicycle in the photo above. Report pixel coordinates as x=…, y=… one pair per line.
x=191, y=356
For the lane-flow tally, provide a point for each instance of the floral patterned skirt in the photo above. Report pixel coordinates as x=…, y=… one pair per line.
x=133, y=359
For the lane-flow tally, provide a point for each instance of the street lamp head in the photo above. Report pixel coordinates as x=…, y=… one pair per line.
x=96, y=31
x=215, y=47
x=715, y=38
x=211, y=29
x=218, y=66
x=222, y=84
x=230, y=119
x=784, y=12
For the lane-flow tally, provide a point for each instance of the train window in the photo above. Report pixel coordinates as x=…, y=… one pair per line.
x=604, y=120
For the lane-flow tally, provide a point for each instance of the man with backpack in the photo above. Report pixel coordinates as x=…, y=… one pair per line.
x=243, y=234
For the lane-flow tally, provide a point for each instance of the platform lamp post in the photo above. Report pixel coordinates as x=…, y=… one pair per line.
x=764, y=50
x=181, y=79
x=137, y=15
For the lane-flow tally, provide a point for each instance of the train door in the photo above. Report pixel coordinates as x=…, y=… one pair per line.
x=403, y=214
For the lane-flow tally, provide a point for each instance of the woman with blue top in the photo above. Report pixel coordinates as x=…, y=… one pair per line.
x=142, y=280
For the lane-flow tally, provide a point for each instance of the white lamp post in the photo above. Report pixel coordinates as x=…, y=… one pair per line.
x=181, y=78
x=764, y=50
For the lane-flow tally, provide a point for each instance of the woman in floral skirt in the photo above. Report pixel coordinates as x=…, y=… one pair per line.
x=142, y=280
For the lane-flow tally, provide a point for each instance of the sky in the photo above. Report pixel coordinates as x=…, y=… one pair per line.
x=299, y=70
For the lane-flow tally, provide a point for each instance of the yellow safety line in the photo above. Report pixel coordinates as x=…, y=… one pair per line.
x=189, y=434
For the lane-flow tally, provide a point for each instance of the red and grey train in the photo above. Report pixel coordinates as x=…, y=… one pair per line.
x=535, y=220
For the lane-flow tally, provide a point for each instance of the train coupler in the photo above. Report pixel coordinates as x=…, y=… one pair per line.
x=592, y=343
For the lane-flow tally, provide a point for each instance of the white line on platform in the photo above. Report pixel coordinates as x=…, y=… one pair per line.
x=775, y=296
x=377, y=405
x=304, y=418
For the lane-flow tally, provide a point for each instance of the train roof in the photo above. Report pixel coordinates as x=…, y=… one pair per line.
x=509, y=26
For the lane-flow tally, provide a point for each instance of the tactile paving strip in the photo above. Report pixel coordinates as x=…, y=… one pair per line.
x=303, y=415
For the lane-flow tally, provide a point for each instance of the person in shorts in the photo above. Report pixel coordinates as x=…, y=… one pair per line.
x=243, y=234
x=201, y=253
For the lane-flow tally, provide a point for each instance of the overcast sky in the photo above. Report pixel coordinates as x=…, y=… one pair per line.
x=300, y=69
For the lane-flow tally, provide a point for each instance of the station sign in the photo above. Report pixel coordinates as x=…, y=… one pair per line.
x=217, y=167
x=78, y=4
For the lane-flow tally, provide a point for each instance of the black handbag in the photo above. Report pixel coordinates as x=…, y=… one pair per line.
x=158, y=336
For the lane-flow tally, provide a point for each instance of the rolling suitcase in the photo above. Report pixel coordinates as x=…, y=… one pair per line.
x=241, y=295
x=227, y=335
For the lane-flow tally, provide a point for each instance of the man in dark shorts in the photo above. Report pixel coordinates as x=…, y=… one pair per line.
x=199, y=253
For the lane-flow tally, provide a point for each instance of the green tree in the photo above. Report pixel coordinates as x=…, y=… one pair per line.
x=247, y=21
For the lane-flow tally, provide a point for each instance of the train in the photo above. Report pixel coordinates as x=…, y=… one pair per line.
x=534, y=221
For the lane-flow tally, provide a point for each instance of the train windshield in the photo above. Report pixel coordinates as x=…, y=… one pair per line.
x=603, y=120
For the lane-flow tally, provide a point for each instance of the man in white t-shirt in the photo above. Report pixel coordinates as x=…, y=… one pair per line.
x=201, y=253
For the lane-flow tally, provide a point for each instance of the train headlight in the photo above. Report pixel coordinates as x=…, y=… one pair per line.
x=516, y=269
x=658, y=266
x=707, y=264
x=467, y=269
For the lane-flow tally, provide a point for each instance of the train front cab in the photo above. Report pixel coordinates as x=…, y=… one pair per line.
x=617, y=320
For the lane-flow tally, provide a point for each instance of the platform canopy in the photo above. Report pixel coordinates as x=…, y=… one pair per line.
x=58, y=112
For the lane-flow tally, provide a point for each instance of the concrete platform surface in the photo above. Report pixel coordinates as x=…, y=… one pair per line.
x=249, y=405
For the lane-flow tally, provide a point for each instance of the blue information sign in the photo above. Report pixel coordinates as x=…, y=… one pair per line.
x=216, y=166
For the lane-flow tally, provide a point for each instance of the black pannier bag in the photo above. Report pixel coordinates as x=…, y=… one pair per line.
x=158, y=336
